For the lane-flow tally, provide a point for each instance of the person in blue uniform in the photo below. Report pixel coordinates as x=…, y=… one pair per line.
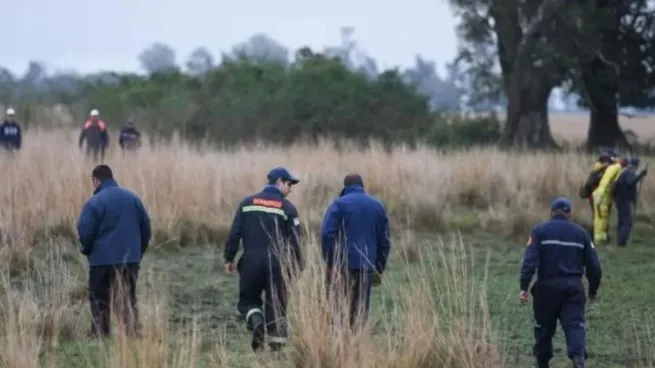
x=268, y=224
x=355, y=243
x=625, y=197
x=11, y=135
x=560, y=252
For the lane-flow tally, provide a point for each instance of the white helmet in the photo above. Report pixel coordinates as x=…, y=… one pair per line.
x=94, y=112
x=11, y=112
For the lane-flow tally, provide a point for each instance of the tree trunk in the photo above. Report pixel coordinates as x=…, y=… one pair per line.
x=527, y=125
x=604, y=130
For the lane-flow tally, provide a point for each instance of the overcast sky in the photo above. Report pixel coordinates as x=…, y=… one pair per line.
x=90, y=35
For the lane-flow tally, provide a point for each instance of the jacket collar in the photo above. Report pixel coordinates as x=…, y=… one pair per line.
x=270, y=188
x=105, y=184
x=351, y=189
x=559, y=216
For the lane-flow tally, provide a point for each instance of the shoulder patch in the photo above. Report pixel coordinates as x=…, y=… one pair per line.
x=267, y=202
x=296, y=221
x=592, y=244
x=529, y=242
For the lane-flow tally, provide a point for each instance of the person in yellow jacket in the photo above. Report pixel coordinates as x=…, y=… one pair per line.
x=602, y=197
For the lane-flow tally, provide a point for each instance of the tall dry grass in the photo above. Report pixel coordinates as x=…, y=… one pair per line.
x=192, y=194
x=438, y=318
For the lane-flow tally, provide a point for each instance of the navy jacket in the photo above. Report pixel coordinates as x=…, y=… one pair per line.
x=358, y=224
x=625, y=188
x=129, y=138
x=268, y=224
x=10, y=135
x=560, y=249
x=114, y=226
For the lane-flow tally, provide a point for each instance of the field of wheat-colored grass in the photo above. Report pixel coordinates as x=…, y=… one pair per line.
x=440, y=313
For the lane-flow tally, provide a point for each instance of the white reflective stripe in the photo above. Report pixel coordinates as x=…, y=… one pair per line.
x=281, y=340
x=253, y=311
x=563, y=243
x=275, y=211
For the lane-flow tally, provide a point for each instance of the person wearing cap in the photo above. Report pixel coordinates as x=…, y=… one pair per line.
x=130, y=137
x=602, y=199
x=10, y=132
x=625, y=196
x=268, y=224
x=559, y=251
x=592, y=180
x=96, y=135
x=355, y=243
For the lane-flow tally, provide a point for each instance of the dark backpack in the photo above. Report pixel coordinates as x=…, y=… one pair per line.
x=592, y=181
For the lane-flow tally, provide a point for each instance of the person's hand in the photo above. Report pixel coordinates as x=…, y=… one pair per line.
x=644, y=172
x=230, y=268
x=377, y=279
x=523, y=297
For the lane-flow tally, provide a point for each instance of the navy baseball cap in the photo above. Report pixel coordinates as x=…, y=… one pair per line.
x=634, y=161
x=561, y=203
x=282, y=173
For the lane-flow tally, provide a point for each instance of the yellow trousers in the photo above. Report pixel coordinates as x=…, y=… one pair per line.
x=601, y=221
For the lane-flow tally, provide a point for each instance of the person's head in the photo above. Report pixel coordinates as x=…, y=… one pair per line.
x=561, y=206
x=94, y=114
x=605, y=159
x=130, y=123
x=11, y=114
x=634, y=162
x=613, y=155
x=101, y=173
x=353, y=180
x=282, y=179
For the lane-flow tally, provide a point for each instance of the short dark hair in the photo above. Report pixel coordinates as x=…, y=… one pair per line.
x=102, y=173
x=353, y=179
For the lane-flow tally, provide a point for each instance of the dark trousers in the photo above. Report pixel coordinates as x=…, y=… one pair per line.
x=564, y=300
x=625, y=213
x=113, y=286
x=356, y=286
x=255, y=277
x=96, y=152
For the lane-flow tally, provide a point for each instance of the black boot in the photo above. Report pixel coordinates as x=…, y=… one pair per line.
x=256, y=322
x=542, y=364
x=578, y=362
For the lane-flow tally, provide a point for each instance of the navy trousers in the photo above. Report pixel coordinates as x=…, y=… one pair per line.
x=564, y=300
x=625, y=213
x=357, y=287
x=257, y=276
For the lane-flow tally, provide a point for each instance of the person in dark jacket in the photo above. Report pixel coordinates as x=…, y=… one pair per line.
x=130, y=137
x=355, y=241
x=96, y=135
x=268, y=224
x=560, y=252
x=114, y=232
x=625, y=197
x=10, y=132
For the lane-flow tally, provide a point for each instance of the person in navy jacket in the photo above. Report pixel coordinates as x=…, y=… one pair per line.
x=11, y=135
x=355, y=242
x=560, y=252
x=114, y=232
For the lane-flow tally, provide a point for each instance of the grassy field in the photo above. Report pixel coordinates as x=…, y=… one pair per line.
x=449, y=298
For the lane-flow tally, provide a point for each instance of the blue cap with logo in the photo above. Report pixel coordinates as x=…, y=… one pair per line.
x=561, y=203
x=282, y=173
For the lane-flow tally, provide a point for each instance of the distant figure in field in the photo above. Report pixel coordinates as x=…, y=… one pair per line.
x=625, y=197
x=96, y=135
x=114, y=232
x=130, y=137
x=10, y=132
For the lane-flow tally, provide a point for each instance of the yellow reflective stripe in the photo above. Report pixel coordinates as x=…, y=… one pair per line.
x=275, y=211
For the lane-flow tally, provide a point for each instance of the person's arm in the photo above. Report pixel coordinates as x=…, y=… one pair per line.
x=593, y=270
x=145, y=226
x=19, y=136
x=121, y=139
x=82, y=137
x=530, y=261
x=234, y=236
x=329, y=233
x=293, y=229
x=87, y=227
x=383, y=242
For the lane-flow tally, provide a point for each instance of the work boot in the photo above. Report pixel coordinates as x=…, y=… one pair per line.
x=542, y=364
x=578, y=362
x=258, y=331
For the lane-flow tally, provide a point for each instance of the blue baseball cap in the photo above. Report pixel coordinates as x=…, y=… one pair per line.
x=282, y=173
x=561, y=203
x=634, y=161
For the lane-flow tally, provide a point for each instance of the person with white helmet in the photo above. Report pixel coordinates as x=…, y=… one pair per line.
x=10, y=131
x=96, y=135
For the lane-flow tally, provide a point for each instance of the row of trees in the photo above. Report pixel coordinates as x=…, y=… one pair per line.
x=512, y=52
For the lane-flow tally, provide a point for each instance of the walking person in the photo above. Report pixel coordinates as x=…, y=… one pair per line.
x=625, y=197
x=560, y=252
x=114, y=232
x=11, y=135
x=96, y=135
x=355, y=242
x=268, y=224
